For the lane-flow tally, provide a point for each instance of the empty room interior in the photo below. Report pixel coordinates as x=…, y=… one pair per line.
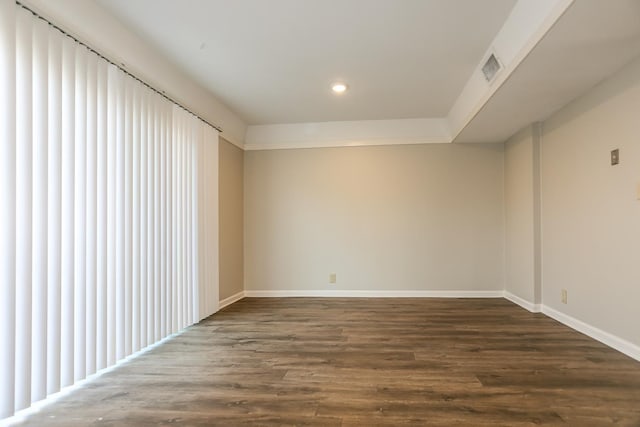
x=320, y=212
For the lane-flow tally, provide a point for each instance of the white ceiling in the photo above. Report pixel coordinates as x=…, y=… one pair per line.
x=413, y=66
x=273, y=61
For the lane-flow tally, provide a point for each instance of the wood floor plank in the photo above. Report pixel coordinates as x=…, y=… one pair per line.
x=364, y=362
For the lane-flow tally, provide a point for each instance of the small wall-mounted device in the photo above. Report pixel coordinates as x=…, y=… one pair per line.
x=615, y=157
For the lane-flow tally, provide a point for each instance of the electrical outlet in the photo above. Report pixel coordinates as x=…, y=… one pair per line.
x=564, y=296
x=615, y=157
x=332, y=278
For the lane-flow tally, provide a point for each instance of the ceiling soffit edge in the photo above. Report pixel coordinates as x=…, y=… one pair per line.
x=526, y=25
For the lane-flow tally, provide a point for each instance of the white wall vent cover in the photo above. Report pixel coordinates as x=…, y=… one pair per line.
x=491, y=67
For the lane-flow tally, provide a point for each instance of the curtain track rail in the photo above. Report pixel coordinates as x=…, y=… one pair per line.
x=119, y=66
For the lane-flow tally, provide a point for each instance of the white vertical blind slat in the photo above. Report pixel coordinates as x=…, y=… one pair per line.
x=180, y=224
x=7, y=199
x=112, y=101
x=202, y=306
x=150, y=225
x=167, y=223
x=24, y=158
x=144, y=191
x=135, y=230
x=174, y=231
x=120, y=227
x=128, y=216
x=54, y=214
x=206, y=264
x=156, y=219
x=160, y=330
x=188, y=236
x=40, y=211
x=205, y=224
x=213, y=212
x=92, y=221
x=80, y=208
x=101, y=215
x=183, y=190
x=162, y=225
x=68, y=210
x=194, y=130
x=192, y=205
x=206, y=267
x=198, y=296
x=185, y=223
x=163, y=222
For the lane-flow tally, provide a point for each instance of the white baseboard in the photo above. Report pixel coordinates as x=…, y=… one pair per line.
x=606, y=338
x=230, y=300
x=534, y=308
x=373, y=294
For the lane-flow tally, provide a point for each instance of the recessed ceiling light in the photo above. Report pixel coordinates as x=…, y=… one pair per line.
x=339, y=88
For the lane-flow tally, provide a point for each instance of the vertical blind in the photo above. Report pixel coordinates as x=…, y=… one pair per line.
x=108, y=212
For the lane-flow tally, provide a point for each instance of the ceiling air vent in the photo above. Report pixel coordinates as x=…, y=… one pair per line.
x=491, y=68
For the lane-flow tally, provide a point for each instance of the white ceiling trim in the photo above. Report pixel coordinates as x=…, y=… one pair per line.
x=347, y=134
x=528, y=23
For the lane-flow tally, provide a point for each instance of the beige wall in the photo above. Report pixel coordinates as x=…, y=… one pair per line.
x=518, y=198
x=590, y=211
x=231, y=173
x=414, y=217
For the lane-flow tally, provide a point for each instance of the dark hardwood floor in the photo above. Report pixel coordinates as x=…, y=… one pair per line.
x=366, y=362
